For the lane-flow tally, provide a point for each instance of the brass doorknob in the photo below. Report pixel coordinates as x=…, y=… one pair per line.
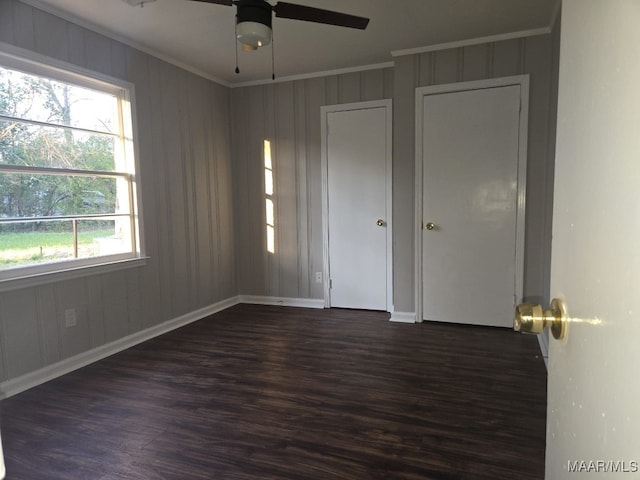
x=380, y=222
x=430, y=226
x=530, y=318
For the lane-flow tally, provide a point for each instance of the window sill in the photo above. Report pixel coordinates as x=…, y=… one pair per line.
x=70, y=273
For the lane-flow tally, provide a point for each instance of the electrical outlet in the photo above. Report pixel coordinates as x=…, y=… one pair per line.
x=70, y=319
x=318, y=277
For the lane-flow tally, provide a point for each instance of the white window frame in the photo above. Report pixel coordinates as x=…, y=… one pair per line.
x=19, y=59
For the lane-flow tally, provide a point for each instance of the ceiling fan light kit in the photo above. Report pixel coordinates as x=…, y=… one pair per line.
x=253, y=23
x=253, y=34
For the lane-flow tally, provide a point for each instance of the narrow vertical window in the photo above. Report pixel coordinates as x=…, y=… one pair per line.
x=269, y=200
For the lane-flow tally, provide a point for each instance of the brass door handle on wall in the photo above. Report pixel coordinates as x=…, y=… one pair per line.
x=430, y=226
x=380, y=222
x=530, y=318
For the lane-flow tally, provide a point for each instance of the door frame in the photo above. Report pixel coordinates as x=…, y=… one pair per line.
x=421, y=92
x=387, y=104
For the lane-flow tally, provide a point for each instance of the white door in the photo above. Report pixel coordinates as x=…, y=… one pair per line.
x=593, y=424
x=358, y=223
x=472, y=159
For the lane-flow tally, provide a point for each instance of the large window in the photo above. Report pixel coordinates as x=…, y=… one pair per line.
x=67, y=175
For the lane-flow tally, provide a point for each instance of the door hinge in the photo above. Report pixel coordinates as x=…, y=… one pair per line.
x=330, y=284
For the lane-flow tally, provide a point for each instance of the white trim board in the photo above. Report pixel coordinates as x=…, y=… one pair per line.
x=306, y=76
x=472, y=41
x=403, y=317
x=17, y=385
x=316, y=303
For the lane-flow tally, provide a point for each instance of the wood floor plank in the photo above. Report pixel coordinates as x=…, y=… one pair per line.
x=259, y=392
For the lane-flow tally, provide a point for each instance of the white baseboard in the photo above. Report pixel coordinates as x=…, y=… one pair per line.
x=32, y=379
x=403, y=317
x=19, y=384
x=282, y=301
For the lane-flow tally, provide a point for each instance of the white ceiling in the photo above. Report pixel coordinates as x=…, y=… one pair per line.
x=200, y=36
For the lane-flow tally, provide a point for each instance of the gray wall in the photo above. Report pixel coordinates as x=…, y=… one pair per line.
x=288, y=114
x=184, y=156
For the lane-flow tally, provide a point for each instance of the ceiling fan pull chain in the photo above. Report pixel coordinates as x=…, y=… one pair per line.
x=273, y=63
x=235, y=42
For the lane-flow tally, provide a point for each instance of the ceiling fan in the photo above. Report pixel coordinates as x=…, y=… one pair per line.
x=253, y=19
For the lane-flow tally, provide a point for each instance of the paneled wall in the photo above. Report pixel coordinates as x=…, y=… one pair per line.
x=185, y=176
x=530, y=55
x=288, y=115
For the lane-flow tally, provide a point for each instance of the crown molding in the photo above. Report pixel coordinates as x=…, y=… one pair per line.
x=119, y=38
x=305, y=76
x=472, y=41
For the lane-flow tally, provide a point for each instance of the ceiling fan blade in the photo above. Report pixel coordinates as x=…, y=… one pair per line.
x=219, y=2
x=318, y=15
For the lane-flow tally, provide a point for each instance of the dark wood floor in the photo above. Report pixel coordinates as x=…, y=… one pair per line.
x=285, y=393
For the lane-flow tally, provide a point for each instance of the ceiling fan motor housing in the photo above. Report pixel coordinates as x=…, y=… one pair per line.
x=253, y=22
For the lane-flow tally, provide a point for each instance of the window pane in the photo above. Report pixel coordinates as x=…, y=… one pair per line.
x=33, y=243
x=270, y=212
x=24, y=195
x=44, y=100
x=55, y=147
x=268, y=182
x=267, y=155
